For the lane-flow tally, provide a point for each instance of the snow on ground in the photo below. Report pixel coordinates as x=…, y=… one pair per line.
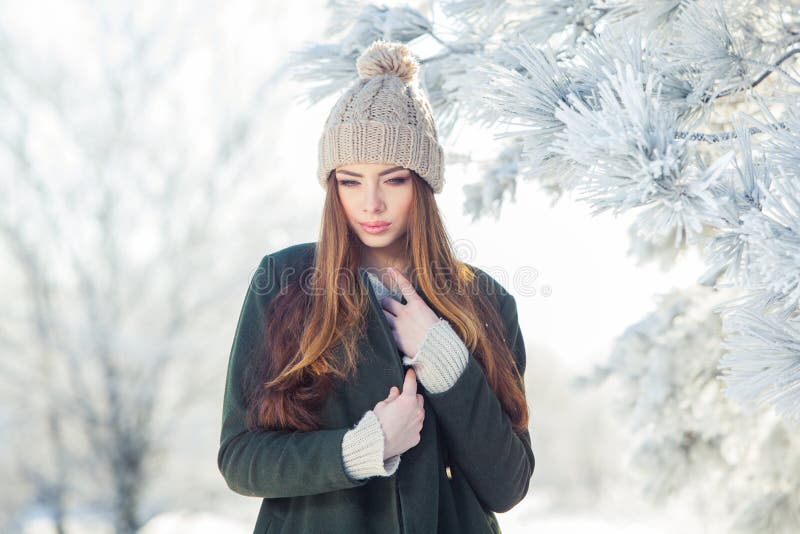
x=616, y=513
x=206, y=523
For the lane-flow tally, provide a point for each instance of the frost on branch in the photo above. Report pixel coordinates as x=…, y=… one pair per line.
x=689, y=436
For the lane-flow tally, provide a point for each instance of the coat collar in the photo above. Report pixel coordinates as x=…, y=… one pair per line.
x=308, y=251
x=364, y=275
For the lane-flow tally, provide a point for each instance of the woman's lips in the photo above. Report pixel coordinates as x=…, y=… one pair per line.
x=375, y=229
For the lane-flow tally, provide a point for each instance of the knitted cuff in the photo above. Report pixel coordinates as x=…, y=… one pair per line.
x=362, y=450
x=441, y=358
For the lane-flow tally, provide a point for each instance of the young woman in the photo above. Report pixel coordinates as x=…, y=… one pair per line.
x=321, y=419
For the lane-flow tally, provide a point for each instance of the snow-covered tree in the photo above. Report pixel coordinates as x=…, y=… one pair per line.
x=689, y=435
x=122, y=156
x=683, y=112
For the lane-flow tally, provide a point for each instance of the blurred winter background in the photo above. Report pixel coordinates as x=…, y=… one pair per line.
x=153, y=152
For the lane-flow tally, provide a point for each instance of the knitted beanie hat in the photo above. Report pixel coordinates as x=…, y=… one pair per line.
x=384, y=117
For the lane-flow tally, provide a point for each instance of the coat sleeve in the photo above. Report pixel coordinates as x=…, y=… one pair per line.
x=272, y=463
x=497, y=461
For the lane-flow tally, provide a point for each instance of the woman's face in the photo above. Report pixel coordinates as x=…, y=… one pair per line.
x=376, y=193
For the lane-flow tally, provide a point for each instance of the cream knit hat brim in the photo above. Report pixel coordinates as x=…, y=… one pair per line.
x=384, y=117
x=379, y=142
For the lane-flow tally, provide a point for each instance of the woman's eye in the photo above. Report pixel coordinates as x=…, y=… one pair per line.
x=347, y=183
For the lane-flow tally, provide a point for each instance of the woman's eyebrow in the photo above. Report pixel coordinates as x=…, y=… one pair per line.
x=387, y=171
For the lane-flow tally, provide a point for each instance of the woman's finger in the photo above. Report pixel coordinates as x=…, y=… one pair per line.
x=405, y=286
x=391, y=305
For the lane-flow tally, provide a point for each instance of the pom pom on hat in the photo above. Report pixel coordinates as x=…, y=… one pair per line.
x=382, y=57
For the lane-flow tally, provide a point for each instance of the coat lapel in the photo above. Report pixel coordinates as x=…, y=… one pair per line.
x=379, y=368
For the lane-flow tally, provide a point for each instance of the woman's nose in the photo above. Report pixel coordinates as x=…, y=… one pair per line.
x=373, y=200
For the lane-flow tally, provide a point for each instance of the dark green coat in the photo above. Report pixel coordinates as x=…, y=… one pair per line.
x=468, y=464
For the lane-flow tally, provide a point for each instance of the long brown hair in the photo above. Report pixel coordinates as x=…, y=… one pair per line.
x=314, y=322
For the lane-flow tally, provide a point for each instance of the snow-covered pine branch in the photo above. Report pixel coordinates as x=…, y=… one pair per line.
x=689, y=434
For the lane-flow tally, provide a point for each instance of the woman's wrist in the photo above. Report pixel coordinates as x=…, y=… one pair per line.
x=441, y=358
x=363, y=449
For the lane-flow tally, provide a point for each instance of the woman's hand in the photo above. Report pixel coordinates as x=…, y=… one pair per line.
x=409, y=322
x=401, y=416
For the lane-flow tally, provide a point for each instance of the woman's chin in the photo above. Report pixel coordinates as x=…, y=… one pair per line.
x=379, y=240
